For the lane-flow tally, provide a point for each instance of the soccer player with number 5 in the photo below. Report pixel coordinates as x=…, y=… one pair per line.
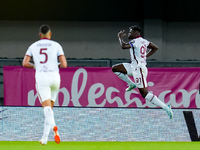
x=137, y=68
x=46, y=55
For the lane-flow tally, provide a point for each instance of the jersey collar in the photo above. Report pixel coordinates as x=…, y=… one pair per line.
x=137, y=36
x=44, y=39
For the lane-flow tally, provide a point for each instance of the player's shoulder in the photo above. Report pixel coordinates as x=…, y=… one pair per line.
x=44, y=43
x=55, y=42
x=33, y=44
x=47, y=41
x=132, y=41
x=141, y=39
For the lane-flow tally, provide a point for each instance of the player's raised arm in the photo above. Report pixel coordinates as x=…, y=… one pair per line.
x=153, y=48
x=26, y=62
x=63, y=61
x=123, y=44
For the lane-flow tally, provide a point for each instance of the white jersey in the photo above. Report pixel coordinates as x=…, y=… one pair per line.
x=45, y=54
x=138, y=51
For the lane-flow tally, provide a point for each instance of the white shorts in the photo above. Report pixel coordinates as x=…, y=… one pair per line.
x=139, y=74
x=47, y=86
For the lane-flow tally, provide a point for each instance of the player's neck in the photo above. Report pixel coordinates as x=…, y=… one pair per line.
x=46, y=36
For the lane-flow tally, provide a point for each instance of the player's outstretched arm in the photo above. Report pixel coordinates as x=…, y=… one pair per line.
x=26, y=62
x=123, y=44
x=153, y=48
x=63, y=61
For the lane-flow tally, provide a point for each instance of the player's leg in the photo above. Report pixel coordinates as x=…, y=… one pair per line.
x=46, y=131
x=151, y=97
x=122, y=71
x=155, y=100
x=52, y=104
x=55, y=128
x=49, y=122
x=140, y=78
x=48, y=113
x=54, y=92
x=119, y=68
x=44, y=95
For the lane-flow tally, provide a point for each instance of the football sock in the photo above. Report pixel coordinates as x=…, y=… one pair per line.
x=46, y=129
x=49, y=116
x=154, y=99
x=124, y=77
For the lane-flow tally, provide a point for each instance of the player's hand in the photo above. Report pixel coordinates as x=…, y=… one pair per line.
x=121, y=34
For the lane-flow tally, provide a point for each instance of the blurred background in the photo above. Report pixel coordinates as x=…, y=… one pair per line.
x=87, y=30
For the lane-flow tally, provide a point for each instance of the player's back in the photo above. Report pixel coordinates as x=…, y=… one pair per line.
x=45, y=54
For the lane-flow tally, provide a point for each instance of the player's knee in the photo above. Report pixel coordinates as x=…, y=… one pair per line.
x=143, y=93
x=114, y=69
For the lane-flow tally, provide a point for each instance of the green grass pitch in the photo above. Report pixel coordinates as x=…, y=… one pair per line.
x=24, y=145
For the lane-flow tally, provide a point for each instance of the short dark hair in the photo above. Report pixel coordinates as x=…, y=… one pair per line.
x=136, y=28
x=44, y=29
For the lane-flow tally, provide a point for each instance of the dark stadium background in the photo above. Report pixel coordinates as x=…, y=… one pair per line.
x=100, y=10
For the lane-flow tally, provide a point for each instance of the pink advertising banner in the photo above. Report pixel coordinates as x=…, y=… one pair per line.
x=99, y=87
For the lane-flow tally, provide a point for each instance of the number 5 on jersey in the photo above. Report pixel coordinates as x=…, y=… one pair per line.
x=43, y=52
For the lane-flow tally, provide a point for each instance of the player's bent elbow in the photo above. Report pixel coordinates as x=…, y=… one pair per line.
x=24, y=64
x=124, y=47
x=65, y=66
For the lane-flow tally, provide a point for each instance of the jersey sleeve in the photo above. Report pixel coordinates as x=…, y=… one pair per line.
x=132, y=42
x=148, y=42
x=60, y=50
x=29, y=52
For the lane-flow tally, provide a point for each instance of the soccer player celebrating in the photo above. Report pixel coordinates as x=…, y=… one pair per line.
x=137, y=68
x=46, y=54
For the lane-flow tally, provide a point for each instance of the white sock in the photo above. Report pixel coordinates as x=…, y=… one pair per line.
x=124, y=77
x=154, y=99
x=49, y=116
x=46, y=129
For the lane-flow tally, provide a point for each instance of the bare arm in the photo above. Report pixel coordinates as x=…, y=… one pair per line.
x=26, y=62
x=63, y=61
x=123, y=44
x=153, y=48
